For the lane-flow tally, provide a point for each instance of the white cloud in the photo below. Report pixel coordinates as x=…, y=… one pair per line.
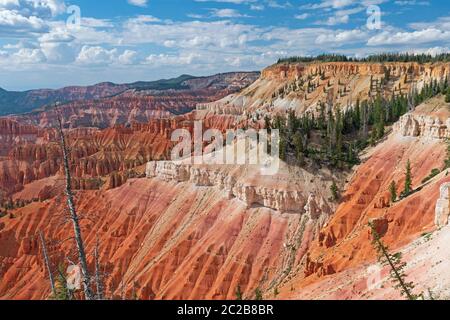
x=443, y=23
x=139, y=3
x=229, y=1
x=96, y=23
x=96, y=56
x=431, y=51
x=302, y=16
x=144, y=19
x=13, y=24
x=59, y=53
x=39, y=8
x=171, y=60
x=128, y=57
x=257, y=7
x=37, y=39
x=335, y=20
x=415, y=37
x=412, y=3
x=192, y=34
x=342, y=37
x=28, y=56
x=227, y=13
x=339, y=4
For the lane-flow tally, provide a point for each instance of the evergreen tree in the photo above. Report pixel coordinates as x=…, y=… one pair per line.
x=393, y=191
x=330, y=135
x=394, y=261
x=238, y=293
x=258, y=294
x=357, y=116
x=299, y=148
x=283, y=148
x=267, y=123
x=447, y=96
x=379, y=118
x=408, y=180
x=322, y=118
x=364, y=120
x=292, y=123
x=276, y=292
x=338, y=133
x=334, y=191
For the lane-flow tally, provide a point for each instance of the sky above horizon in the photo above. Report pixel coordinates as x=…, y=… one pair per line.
x=56, y=43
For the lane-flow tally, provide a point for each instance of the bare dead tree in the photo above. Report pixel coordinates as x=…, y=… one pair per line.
x=73, y=214
x=98, y=280
x=47, y=264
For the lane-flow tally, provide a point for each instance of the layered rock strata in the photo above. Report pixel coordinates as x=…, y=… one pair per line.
x=411, y=125
x=282, y=199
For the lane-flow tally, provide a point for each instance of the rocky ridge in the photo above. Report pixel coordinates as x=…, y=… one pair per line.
x=304, y=86
x=235, y=183
x=140, y=102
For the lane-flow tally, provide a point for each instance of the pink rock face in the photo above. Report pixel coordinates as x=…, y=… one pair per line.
x=189, y=232
x=173, y=241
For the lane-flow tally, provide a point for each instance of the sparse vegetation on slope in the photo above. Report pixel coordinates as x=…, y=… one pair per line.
x=336, y=138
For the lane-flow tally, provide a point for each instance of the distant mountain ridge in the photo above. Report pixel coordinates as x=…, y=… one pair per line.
x=106, y=104
x=19, y=102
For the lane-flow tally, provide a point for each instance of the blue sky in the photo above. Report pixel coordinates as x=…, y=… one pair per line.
x=55, y=43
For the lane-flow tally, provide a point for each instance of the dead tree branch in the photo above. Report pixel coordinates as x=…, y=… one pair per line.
x=47, y=264
x=73, y=214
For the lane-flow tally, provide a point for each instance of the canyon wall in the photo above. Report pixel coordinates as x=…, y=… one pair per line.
x=344, y=245
x=411, y=125
x=303, y=87
x=233, y=185
x=201, y=231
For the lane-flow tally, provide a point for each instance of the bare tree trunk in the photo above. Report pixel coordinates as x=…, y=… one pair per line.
x=98, y=280
x=47, y=264
x=74, y=217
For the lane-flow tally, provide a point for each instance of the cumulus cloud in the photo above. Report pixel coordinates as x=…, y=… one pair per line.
x=13, y=24
x=128, y=57
x=59, y=53
x=174, y=60
x=416, y=37
x=35, y=36
x=28, y=56
x=38, y=8
x=96, y=56
x=342, y=37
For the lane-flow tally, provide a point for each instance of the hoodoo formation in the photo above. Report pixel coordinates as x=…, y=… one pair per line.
x=360, y=142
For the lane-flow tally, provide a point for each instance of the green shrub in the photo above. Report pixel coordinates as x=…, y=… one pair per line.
x=433, y=174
